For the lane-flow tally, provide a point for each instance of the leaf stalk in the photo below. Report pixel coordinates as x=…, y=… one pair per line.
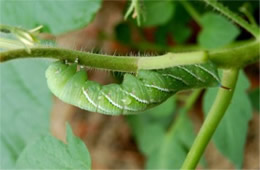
x=213, y=119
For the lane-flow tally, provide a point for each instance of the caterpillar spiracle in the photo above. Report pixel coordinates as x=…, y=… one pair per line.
x=136, y=92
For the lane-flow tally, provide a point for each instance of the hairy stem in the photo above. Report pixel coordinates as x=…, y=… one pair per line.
x=108, y=62
x=213, y=119
x=235, y=56
x=171, y=59
x=254, y=30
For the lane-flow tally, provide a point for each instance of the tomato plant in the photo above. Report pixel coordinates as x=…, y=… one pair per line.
x=166, y=58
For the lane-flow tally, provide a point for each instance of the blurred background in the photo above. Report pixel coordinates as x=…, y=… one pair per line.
x=160, y=137
x=115, y=142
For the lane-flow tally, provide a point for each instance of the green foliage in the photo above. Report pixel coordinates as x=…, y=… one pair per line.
x=157, y=12
x=164, y=148
x=25, y=106
x=181, y=33
x=157, y=116
x=135, y=10
x=174, y=147
x=164, y=111
x=25, y=98
x=162, y=136
x=217, y=31
x=47, y=152
x=230, y=136
x=56, y=16
x=123, y=33
x=175, y=28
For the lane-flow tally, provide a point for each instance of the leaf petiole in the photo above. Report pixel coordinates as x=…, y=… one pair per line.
x=213, y=119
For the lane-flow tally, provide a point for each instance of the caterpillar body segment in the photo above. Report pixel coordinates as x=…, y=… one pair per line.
x=134, y=94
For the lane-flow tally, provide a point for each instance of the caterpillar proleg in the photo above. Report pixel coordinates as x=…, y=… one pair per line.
x=136, y=93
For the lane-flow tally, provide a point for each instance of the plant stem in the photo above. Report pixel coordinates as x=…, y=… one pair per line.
x=10, y=44
x=254, y=30
x=237, y=56
x=137, y=12
x=213, y=119
x=191, y=10
x=245, y=8
x=109, y=62
x=135, y=8
x=170, y=59
x=192, y=99
x=188, y=105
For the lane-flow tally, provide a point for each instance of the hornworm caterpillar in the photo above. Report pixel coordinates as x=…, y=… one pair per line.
x=136, y=93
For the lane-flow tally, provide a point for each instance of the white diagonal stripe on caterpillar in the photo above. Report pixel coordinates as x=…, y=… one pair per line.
x=130, y=109
x=111, y=101
x=151, y=89
x=88, y=98
x=177, y=78
x=92, y=102
x=135, y=97
x=119, y=106
x=204, y=69
x=157, y=87
x=191, y=73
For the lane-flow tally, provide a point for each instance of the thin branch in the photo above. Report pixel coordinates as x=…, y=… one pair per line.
x=191, y=10
x=135, y=9
x=236, y=56
x=190, y=101
x=254, y=30
x=213, y=119
x=108, y=62
x=172, y=59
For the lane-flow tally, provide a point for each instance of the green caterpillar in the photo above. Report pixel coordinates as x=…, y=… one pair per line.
x=135, y=94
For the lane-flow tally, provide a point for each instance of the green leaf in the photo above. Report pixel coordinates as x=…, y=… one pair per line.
x=161, y=35
x=176, y=28
x=164, y=148
x=123, y=33
x=180, y=28
x=149, y=136
x=164, y=110
x=254, y=97
x=156, y=12
x=174, y=146
x=230, y=136
x=56, y=16
x=25, y=104
x=48, y=152
x=181, y=33
x=217, y=31
x=154, y=122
